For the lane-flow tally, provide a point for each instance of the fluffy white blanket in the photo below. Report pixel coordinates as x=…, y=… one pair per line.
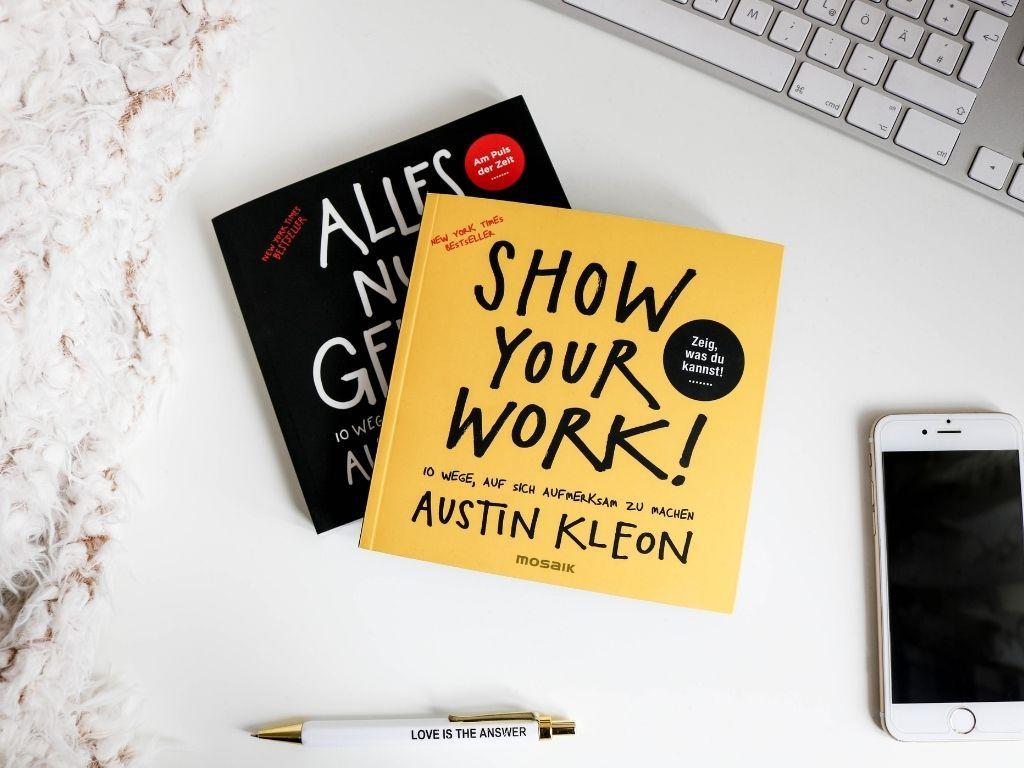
x=103, y=106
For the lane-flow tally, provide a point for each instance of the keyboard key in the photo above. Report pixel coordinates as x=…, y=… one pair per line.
x=902, y=37
x=822, y=90
x=864, y=20
x=825, y=10
x=984, y=34
x=947, y=15
x=927, y=137
x=789, y=3
x=828, y=47
x=990, y=168
x=698, y=36
x=790, y=31
x=873, y=112
x=941, y=54
x=911, y=8
x=717, y=8
x=1005, y=7
x=1017, y=185
x=932, y=92
x=752, y=15
x=866, y=63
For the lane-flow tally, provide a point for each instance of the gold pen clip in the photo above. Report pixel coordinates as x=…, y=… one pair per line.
x=547, y=726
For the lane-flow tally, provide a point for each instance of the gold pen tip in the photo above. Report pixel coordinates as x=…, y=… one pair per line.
x=291, y=732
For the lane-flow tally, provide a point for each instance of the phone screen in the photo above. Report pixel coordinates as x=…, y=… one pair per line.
x=954, y=533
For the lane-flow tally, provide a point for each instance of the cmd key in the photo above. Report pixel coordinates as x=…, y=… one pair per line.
x=822, y=90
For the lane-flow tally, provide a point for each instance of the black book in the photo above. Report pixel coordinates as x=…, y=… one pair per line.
x=320, y=269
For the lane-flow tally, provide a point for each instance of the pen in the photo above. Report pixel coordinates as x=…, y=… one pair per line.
x=492, y=726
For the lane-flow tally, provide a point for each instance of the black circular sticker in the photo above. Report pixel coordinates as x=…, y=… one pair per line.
x=703, y=360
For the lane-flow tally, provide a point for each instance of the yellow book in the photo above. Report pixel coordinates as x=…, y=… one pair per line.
x=576, y=399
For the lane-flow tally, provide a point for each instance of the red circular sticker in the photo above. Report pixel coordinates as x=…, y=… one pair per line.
x=495, y=162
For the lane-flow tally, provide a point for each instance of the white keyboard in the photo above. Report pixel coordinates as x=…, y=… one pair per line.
x=939, y=82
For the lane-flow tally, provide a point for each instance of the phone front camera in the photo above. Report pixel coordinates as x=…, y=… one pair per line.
x=924, y=431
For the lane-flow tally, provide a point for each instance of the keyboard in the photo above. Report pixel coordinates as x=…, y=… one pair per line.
x=939, y=83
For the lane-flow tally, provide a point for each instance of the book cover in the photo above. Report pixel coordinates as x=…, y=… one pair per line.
x=320, y=269
x=576, y=400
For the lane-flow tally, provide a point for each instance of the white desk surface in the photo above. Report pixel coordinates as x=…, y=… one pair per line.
x=899, y=292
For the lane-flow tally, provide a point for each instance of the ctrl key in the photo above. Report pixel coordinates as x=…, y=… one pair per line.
x=927, y=137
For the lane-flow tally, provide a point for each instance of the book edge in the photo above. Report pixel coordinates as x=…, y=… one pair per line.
x=780, y=251
x=368, y=533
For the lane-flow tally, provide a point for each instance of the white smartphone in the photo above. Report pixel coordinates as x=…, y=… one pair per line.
x=949, y=543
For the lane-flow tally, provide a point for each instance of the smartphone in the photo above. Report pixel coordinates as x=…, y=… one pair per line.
x=949, y=544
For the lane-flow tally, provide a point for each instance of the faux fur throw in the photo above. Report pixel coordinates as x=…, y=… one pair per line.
x=103, y=105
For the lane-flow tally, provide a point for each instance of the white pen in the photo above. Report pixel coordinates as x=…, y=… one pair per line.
x=494, y=726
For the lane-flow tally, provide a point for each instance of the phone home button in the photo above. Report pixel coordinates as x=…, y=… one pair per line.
x=962, y=721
